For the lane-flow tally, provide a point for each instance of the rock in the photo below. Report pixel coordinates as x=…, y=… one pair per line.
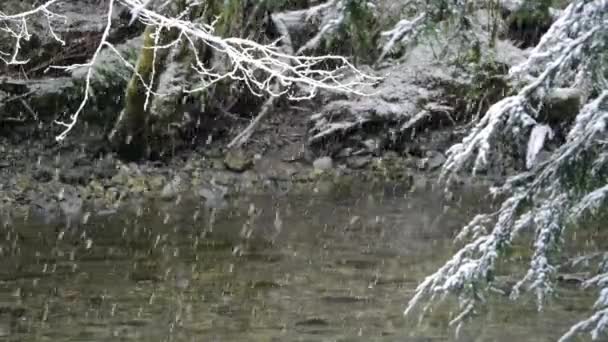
x=510, y=6
x=156, y=182
x=171, y=189
x=78, y=176
x=345, y=152
x=323, y=164
x=572, y=278
x=82, y=161
x=105, y=168
x=313, y=321
x=112, y=195
x=70, y=203
x=419, y=182
x=275, y=169
x=138, y=185
x=422, y=163
x=22, y=183
x=214, y=195
x=371, y=145
x=96, y=188
x=435, y=160
x=43, y=174
x=358, y=162
x=44, y=209
x=431, y=162
x=561, y=105
x=237, y=161
x=420, y=92
x=213, y=153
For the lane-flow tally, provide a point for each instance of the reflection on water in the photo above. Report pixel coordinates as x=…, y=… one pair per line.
x=265, y=269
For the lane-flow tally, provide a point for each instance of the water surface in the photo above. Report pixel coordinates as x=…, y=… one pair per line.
x=322, y=269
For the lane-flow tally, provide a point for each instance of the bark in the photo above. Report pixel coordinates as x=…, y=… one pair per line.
x=157, y=127
x=129, y=137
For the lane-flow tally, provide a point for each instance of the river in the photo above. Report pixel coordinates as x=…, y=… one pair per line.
x=264, y=268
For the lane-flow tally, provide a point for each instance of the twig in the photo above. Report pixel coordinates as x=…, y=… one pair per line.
x=12, y=119
x=242, y=138
x=18, y=97
x=258, y=66
x=29, y=109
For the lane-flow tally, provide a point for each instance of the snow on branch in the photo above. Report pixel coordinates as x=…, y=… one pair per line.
x=404, y=31
x=597, y=323
x=20, y=30
x=427, y=13
x=331, y=15
x=577, y=19
x=259, y=66
x=551, y=196
x=546, y=199
x=563, y=51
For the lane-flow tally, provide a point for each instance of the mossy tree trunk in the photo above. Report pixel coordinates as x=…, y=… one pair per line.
x=129, y=136
x=144, y=132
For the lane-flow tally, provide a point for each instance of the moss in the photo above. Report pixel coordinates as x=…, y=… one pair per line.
x=364, y=29
x=487, y=86
x=132, y=134
x=155, y=135
x=130, y=138
x=231, y=17
x=530, y=22
x=359, y=34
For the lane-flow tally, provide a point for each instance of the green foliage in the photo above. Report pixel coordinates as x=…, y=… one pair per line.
x=286, y=5
x=530, y=21
x=134, y=116
x=359, y=34
x=231, y=14
x=531, y=13
x=487, y=86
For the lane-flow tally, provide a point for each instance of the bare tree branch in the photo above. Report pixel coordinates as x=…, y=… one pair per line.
x=259, y=66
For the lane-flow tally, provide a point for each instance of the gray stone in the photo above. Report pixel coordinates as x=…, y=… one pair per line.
x=43, y=174
x=561, y=105
x=323, y=163
x=171, y=189
x=422, y=163
x=345, y=152
x=76, y=175
x=435, y=160
x=358, y=162
x=238, y=161
x=371, y=145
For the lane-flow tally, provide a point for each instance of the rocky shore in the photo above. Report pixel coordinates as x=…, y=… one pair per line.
x=53, y=182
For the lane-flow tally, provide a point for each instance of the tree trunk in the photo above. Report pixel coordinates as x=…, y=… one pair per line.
x=129, y=136
x=154, y=130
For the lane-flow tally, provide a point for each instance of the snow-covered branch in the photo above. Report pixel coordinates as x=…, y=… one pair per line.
x=555, y=194
x=428, y=14
x=541, y=199
x=330, y=15
x=257, y=65
x=104, y=41
x=19, y=31
x=550, y=65
x=404, y=31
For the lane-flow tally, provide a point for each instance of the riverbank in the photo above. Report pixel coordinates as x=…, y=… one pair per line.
x=395, y=138
x=50, y=180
